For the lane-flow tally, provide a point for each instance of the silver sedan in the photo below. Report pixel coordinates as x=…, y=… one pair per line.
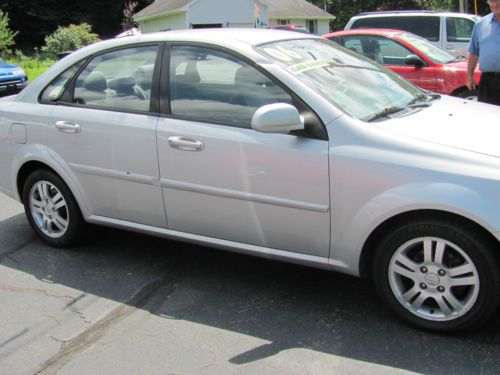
x=268, y=143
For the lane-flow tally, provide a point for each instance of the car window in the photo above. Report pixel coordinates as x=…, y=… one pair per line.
x=54, y=90
x=425, y=26
x=119, y=79
x=355, y=84
x=459, y=29
x=211, y=85
x=380, y=49
x=436, y=54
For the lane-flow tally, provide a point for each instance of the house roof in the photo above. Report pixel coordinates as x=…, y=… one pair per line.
x=285, y=9
x=161, y=6
x=276, y=9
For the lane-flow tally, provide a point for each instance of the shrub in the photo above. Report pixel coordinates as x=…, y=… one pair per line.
x=6, y=34
x=69, y=38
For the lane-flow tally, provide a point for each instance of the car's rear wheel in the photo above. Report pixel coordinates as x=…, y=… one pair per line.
x=51, y=209
x=438, y=275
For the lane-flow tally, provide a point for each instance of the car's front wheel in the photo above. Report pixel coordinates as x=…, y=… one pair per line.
x=438, y=275
x=51, y=209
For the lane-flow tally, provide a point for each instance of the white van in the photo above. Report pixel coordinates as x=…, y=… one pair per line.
x=450, y=31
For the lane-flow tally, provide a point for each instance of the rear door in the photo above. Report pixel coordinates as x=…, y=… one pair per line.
x=224, y=180
x=457, y=35
x=104, y=129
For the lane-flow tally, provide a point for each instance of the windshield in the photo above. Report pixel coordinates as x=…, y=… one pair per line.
x=355, y=84
x=436, y=54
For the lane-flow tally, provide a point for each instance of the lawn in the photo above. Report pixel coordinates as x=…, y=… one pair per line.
x=31, y=65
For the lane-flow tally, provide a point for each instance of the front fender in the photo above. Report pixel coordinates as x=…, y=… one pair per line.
x=349, y=238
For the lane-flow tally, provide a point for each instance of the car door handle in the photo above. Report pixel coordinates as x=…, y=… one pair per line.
x=68, y=127
x=185, y=143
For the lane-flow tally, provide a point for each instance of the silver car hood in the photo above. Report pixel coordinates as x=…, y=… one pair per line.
x=452, y=122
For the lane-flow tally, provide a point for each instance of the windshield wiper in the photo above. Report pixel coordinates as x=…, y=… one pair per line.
x=421, y=100
x=385, y=113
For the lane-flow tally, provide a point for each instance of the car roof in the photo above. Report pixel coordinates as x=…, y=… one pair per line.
x=394, y=13
x=390, y=33
x=239, y=40
x=210, y=36
x=224, y=37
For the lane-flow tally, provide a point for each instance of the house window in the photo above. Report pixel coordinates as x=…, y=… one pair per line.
x=312, y=26
x=283, y=22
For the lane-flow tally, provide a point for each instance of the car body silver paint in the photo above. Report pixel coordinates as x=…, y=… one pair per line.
x=112, y=147
x=379, y=173
x=263, y=252
x=247, y=186
x=374, y=170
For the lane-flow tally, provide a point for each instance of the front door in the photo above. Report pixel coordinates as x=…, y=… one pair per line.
x=392, y=54
x=224, y=180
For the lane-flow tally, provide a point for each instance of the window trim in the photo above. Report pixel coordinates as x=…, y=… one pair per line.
x=66, y=98
x=165, y=107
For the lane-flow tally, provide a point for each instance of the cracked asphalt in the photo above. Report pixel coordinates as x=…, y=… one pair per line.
x=123, y=303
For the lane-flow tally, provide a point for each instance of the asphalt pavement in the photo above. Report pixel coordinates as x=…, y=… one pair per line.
x=124, y=303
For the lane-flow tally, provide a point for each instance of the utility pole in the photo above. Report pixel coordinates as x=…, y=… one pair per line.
x=462, y=5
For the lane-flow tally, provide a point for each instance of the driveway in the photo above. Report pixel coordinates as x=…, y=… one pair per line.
x=123, y=303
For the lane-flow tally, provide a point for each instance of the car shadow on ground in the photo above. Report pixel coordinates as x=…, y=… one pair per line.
x=290, y=306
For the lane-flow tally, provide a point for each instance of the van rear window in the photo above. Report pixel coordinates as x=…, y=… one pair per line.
x=425, y=26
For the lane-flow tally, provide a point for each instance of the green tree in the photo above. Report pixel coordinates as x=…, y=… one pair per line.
x=128, y=14
x=6, y=34
x=69, y=38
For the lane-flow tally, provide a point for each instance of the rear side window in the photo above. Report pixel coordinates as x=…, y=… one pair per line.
x=119, y=80
x=424, y=26
x=459, y=29
x=55, y=89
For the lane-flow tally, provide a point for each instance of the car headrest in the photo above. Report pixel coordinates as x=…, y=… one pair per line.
x=122, y=84
x=95, y=81
x=144, y=75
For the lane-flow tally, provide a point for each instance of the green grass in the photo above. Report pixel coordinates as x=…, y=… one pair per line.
x=31, y=65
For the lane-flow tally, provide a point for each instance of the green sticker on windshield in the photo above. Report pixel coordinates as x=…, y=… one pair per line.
x=308, y=65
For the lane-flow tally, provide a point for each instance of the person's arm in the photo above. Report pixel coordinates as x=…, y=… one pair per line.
x=471, y=66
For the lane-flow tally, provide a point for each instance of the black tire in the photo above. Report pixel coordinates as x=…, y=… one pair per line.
x=51, y=209
x=468, y=94
x=467, y=257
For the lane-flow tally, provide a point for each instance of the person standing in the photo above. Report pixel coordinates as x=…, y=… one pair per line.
x=484, y=48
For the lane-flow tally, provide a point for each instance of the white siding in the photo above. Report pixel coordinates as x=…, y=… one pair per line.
x=173, y=22
x=323, y=27
x=233, y=13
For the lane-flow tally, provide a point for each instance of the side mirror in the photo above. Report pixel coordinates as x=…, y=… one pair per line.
x=414, y=60
x=277, y=118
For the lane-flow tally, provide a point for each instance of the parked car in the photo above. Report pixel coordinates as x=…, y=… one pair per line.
x=283, y=146
x=447, y=30
x=290, y=27
x=412, y=57
x=12, y=78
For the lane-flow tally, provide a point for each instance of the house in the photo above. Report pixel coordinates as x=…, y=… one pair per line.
x=192, y=14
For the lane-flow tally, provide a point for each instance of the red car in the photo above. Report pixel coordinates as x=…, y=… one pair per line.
x=290, y=27
x=414, y=58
